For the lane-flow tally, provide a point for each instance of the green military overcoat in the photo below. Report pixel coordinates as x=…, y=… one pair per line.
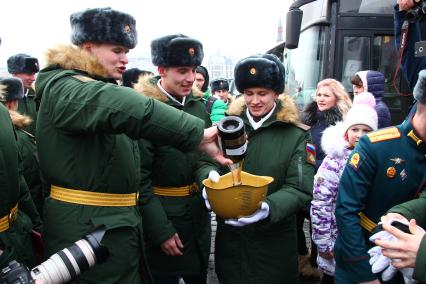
x=15, y=242
x=85, y=127
x=31, y=170
x=266, y=251
x=163, y=216
x=28, y=106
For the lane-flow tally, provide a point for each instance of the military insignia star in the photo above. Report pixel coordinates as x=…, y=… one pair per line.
x=397, y=161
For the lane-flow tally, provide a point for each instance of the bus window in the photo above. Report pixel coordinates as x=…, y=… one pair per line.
x=304, y=66
x=385, y=60
x=356, y=57
x=367, y=6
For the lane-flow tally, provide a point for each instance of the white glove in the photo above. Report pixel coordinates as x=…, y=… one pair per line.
x=260, y=214
x=380, y=262
x=214, y=176
x=206, y=200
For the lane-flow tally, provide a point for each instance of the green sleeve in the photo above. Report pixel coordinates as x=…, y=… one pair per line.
x=26, y=203
x=413, y=209
x=420, y=269
x=156, y=225
x=296, y=193
x=96, y=106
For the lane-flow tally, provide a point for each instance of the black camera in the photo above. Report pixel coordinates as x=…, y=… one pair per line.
x=62, y=266
x=418, y=12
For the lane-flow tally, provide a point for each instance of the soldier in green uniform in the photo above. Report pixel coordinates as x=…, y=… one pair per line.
x=26, y=145
x=25, y=67
x=262, y=248
x=386, y=168
x=176, y=223
x=85, y=127
x=15, y=225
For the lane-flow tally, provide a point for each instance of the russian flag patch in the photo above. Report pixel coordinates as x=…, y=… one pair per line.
x=310, y=153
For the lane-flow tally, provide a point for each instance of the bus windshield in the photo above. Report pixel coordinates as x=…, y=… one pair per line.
x=367, y=6
x=304, y=65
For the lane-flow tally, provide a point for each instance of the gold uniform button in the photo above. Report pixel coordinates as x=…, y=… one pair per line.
x=391, y=172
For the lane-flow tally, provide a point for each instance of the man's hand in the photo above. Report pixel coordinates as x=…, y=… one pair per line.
x=172, y=246
x=405, y=5
x=208, y=145
x=260, y=214
x=405, y=248
x=388, y=218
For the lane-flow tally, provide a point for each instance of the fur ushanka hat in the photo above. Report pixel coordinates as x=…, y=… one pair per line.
x=419, y=91
x=22, y=63
x=103, y=25
x=261, y=71
x=13, y=89
x=219, y=84
x=176, y=50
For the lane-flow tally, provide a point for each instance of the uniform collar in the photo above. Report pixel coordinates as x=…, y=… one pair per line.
x=170, y=96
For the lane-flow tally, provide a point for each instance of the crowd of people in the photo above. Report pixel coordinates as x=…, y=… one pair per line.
x=94, y=144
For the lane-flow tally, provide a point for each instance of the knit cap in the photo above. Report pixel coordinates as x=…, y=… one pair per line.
x=362, y=112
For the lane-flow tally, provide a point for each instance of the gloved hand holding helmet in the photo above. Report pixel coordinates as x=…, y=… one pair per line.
x=261, y=214
x=214, y=177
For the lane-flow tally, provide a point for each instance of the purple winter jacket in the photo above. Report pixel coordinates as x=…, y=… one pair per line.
x=326, y=185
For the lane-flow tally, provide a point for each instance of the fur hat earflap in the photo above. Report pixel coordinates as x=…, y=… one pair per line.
x=362, y=112
x=419, y=91
x=203, y=71
x=262, y=71
x=176, y=50
x=219, y=84
x=14, y=89
x=131, y=76
x=103, y=25
x=22, y=63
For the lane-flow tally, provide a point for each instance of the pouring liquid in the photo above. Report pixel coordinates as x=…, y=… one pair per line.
x=236, y=169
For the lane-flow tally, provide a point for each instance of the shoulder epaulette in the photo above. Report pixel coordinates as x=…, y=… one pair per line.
x=384, y=134
x=302, y=126
x=83, y=78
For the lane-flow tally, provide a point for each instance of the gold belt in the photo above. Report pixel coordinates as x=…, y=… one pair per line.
x=176, y=191
x=366, y=223
x=93, y=198
x=7, y=221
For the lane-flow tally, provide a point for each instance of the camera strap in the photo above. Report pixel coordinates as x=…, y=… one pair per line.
x=404, y=35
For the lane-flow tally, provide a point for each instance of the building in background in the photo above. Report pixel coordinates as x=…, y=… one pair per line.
x=220, y=66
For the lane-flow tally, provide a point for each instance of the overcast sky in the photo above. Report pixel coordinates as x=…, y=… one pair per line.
x=234, y=28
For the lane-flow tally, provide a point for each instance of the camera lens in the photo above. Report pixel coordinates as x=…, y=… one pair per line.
x=68, y=263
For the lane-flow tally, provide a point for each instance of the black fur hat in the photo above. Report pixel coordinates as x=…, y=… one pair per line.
x=131, y=76
x=176, y=50
x=22, y=63
x=203, y=71
x=219, y=84
x=419, y=91
x=103, y=25
x=14, y=89
x=262, y=71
